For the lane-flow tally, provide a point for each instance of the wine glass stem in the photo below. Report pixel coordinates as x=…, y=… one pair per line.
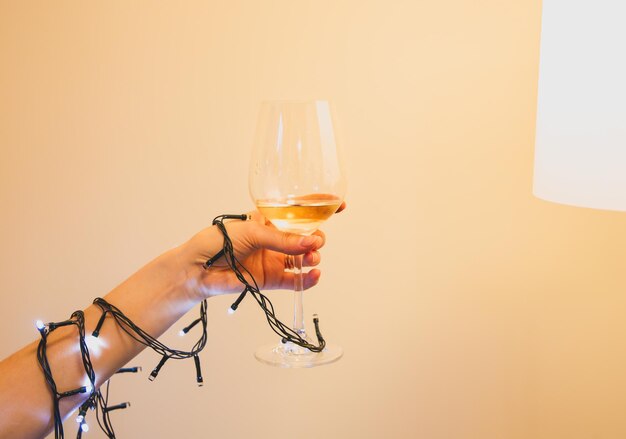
x=298, y=306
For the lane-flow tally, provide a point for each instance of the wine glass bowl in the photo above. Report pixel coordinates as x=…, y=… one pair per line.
x=297, y=181
x=301, y=215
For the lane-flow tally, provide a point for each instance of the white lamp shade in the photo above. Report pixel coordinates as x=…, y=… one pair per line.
x=580, y=149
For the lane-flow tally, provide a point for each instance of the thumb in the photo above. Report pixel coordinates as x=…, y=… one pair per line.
x=288, y=243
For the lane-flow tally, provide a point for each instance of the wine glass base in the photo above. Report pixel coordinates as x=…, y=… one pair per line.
x=293, y=356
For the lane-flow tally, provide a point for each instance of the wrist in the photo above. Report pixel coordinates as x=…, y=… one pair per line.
x=199, y=282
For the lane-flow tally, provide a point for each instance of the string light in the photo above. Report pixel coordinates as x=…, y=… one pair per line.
x=158, y=367
x=199, y=379
x=96, y=400
x=286, y=333
x=139, y=335
x=133, y=369
x=77, y=319
x=188, y=328
x=117, y=407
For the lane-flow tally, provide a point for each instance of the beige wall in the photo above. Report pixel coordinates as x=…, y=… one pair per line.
x=466, y=307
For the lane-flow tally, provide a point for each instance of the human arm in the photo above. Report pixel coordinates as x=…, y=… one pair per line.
x=154, y=298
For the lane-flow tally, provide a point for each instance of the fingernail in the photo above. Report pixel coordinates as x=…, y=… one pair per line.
x=307, y=241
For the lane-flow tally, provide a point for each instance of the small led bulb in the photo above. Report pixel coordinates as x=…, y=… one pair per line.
x=181, y=333
x=88, y=388
x=84, y=427
x=39, y=324
x=80, y=419
x=231, y=311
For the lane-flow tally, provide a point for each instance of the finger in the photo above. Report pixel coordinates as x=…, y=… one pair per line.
x=309, y=280
x=312, y=278
x=288, y=243
x=321, y=235
x=311, y=259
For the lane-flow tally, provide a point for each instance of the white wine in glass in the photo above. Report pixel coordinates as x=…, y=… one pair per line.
x=297, y=181
x=302, y=215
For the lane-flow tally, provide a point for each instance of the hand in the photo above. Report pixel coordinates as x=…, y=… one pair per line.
x=261, y=248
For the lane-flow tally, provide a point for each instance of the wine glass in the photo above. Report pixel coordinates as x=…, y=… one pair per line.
x=297, y=182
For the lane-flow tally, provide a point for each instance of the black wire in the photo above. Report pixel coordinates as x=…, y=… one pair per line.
x=77, y=319
x=101, y=410
x=42, y=358
x=141, y=336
